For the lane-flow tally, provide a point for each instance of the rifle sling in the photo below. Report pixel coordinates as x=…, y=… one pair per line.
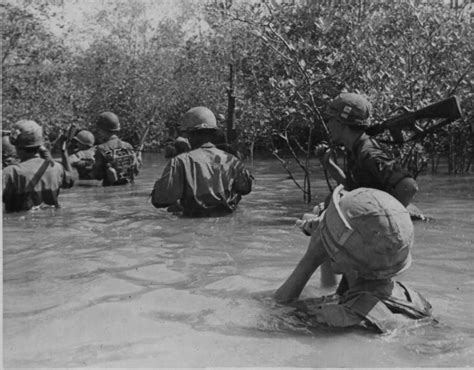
x=31, y=186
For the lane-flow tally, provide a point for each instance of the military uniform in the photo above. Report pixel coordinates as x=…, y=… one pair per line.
x=368, y=165
x=381, y=305
x=206, y=181
x=104, y=157
x=83, y=161
x=366, y=234
x=17, y=195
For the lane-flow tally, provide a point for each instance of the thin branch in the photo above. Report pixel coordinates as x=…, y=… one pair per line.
x=290, y=174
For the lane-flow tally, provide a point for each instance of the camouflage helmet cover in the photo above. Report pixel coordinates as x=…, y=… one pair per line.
x=26, y=134
x=369, y=231
x=199, y=118
x=350, y=109
x=108, y=121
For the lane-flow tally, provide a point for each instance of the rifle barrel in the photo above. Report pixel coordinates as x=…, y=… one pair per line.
x=449, y=109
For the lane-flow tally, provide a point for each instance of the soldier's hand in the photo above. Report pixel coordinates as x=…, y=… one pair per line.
x=318, y=209
x=321, y=150
x=308, y=223
x=139, y=159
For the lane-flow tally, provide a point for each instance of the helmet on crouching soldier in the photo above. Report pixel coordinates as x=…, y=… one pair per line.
x=350, y=109
x=367, y=231
x=26, y=134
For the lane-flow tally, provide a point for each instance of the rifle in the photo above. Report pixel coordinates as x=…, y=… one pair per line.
x=67, y=135
x=142, y=140
x=448, y=109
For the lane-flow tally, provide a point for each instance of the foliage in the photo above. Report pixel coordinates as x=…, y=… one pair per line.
x=289, y=61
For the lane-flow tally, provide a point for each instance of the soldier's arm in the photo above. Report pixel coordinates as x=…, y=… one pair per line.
x=9, y=189
x=333, y=169
x=65, y=158
x=405, y=190
x=98, y=169
x=393, y=179
x=169, y=188
x=243, y=180
x=313, y=258
x=67, y=179
x=74, y=160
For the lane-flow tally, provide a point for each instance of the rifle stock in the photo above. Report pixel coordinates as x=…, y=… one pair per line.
x=447, y=109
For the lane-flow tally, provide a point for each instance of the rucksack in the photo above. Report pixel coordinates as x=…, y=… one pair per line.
x=122, y=161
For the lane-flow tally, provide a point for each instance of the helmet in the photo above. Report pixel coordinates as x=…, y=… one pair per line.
x=350, y=109
x=26, y=134
x=367, y=231
x=108, y=121
x=85, y=138
x=8, y=150
x=198, y=118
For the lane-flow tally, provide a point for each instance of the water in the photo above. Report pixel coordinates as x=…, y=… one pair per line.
x=110, y=281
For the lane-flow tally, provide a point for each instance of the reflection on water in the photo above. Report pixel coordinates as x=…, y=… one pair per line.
x=107, y=280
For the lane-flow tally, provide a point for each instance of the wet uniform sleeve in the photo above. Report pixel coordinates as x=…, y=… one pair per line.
x=243, y=179
x=98, y=170
x=337, y=315
x=74, y=160
x=384, y=169
x=8, y=185
x=67, y=179
x=169, y=188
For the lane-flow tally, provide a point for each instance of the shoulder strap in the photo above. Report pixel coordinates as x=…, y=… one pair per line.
x=30, y=187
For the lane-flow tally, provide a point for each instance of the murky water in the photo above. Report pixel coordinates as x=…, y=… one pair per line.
x=110, y=281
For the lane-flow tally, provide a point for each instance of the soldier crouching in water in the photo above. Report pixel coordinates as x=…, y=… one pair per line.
x=115, y=161
x=367, y=165
x=367, y=235
x=206, y=181
x=36, y=179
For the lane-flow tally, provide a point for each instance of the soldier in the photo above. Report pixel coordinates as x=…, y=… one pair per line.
x=367, y=235
x=83, y=149
x=8, y=152
x=36, y=179
x=115, y=160
x=205, y=181
x=367, y=165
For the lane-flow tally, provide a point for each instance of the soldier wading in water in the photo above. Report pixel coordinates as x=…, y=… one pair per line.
x=367, y=235
x=115, y=161
x=206, y=181
x=367, y=164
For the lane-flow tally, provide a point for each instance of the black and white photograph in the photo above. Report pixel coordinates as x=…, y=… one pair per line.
x=251, y=184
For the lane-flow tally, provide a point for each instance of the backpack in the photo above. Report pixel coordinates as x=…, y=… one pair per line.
x=120, y=165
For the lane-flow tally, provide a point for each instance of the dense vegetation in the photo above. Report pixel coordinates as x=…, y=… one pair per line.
x=288, y=61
